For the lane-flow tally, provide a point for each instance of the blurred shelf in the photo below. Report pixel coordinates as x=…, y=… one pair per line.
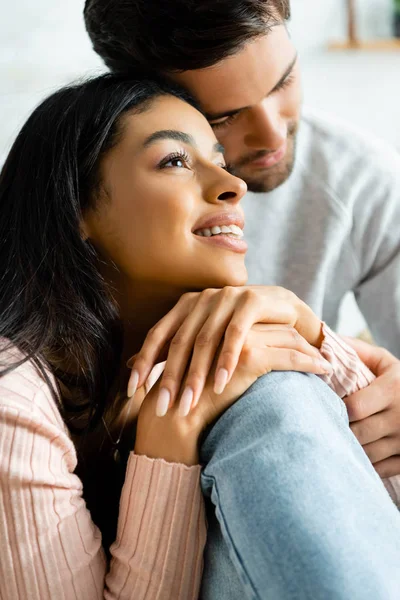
x=378, y=45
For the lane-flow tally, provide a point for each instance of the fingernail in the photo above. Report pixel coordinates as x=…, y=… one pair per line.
x=133, y=383
x=325, y=365
x=186, y=402
x=163, y=400
x=221, y=379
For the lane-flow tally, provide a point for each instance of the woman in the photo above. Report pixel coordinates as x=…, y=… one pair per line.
x=108, y=200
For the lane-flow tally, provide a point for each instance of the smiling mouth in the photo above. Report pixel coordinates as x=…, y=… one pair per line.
x=231, y=231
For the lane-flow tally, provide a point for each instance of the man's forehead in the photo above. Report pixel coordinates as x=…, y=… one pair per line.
x=244, y=78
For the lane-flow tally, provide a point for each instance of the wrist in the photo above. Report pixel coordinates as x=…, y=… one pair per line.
x=185, y=455
x=172, y=438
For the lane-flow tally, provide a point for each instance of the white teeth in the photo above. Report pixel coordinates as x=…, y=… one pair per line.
x=236, y=230
x=216, y=230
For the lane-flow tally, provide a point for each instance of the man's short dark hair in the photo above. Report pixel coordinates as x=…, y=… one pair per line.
x=157, y=36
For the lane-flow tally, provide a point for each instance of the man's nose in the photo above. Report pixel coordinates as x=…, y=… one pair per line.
x=266, y=129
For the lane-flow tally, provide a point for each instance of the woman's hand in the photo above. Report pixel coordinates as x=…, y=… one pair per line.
x=175, y=438
x=202, y=322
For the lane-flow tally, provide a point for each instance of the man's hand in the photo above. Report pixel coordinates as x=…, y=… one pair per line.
x=374, y=412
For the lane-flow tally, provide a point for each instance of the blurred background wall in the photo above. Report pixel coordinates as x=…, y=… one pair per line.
x=43, y=44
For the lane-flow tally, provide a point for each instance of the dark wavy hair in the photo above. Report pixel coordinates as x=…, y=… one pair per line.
x=55, y=307
x=157, y=36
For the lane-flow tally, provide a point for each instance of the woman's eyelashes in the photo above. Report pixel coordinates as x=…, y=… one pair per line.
x=178, y=160
x=181, y=160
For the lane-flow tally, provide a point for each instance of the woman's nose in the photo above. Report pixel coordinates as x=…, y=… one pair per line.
x=226, y=188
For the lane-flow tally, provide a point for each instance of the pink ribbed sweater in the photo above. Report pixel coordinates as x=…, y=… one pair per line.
x=51, y=549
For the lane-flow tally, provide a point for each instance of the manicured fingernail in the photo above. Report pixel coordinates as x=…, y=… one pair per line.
x=163, y=401
x=221, y=379
x=186, y=402
x=133, y=383
x=325, y=365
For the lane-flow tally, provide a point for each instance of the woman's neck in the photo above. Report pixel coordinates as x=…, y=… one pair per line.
x=140, y=310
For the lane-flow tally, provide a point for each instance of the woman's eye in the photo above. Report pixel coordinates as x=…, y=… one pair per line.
x=179, y=160
x=175, y=162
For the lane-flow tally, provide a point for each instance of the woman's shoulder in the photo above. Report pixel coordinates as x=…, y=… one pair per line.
x=24, y=389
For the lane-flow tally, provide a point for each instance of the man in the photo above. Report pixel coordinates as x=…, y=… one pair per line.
x=323, y=212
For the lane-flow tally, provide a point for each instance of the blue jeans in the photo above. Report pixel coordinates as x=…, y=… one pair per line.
x=295, y=509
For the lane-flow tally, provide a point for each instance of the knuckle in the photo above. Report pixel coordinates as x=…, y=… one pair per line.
x=250, y=295
x=296, y=338
x=169, y=379
x=247, y=355
x=235, y=331
x=228, y=291
x=294, y=358
x=206, y=295
x=155, y=334
x=179, y=339
x=188, y=298
x=153, y=331
x=195, y=378
x=203, y=339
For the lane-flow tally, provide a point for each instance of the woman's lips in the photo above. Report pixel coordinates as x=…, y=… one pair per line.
x=269, y=160
x=226, y=241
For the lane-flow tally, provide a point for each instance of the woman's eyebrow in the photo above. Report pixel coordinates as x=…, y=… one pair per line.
x=179, y=136
x=170, y=134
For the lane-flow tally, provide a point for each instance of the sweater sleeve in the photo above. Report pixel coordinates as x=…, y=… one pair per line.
x=349, y=375
x=50, y=547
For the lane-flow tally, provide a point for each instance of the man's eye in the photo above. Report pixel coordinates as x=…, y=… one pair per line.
x=285, y=83
x=225, y=122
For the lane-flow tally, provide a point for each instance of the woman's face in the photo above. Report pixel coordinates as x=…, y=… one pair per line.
x=166, y=191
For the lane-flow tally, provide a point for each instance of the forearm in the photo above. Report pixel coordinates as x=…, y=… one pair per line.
x=161, y=527
x=161, y=533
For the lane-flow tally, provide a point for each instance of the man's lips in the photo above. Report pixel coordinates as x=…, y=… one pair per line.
x=270, y=159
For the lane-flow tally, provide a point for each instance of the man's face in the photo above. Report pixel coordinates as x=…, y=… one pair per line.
x=252, y=101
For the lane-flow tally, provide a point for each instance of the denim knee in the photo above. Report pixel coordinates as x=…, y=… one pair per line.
x=274, y=399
